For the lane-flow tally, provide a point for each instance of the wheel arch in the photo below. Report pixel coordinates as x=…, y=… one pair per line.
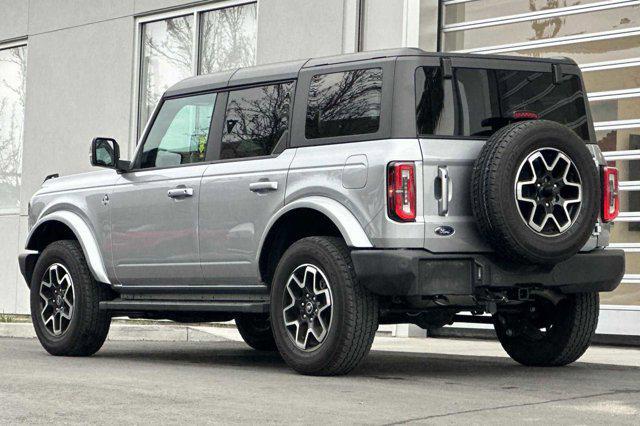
x=64, y=225
x=302, y=218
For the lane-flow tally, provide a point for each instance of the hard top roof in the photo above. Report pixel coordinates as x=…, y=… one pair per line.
x=289, y=70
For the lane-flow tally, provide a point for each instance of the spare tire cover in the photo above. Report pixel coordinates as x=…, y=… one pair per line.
x=535, y=192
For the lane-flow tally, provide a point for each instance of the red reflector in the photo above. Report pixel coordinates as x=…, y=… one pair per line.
x=610, y=198
x=401, y=191
x=520, y=115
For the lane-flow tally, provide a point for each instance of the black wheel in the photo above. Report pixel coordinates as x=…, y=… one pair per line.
x=65, y=302
x=547, y=334
x=535, y=192
x=256, y=332
x=323, y=320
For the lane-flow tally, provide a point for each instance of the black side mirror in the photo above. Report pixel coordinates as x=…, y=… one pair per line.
x=105, y=152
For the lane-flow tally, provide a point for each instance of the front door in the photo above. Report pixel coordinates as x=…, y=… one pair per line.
x=244, y=189
x=154, y=208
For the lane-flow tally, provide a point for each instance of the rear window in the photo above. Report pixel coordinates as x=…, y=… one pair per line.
x=344, y=103
x=491, y=99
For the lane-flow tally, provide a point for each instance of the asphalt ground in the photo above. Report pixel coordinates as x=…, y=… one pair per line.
x=195, y=382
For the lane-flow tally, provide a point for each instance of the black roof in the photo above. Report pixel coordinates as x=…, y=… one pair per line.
x=289, y=70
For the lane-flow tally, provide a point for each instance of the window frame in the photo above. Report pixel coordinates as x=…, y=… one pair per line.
x=216, y=147
x=297, y=131
x=213, y=128
x=139, y=134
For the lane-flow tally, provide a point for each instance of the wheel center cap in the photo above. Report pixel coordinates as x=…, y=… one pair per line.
x=308, y=308
x=59, y=300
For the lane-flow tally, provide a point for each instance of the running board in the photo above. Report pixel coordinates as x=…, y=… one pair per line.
x=173, y=306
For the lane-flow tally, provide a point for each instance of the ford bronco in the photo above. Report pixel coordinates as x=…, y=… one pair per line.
x=313, y=200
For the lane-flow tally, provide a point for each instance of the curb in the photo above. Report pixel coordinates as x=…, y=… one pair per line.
x=134, y=332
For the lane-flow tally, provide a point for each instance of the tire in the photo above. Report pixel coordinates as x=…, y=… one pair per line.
x=573, y=324
x=350, y=323
x=256, y=331
x=86, y=330
x=508, y=224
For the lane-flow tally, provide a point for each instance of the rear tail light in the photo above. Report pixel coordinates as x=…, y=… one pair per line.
x=401, y=191
x=610, y=198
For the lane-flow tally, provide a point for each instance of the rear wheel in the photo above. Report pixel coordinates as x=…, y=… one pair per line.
x=323, y=320
x=547, y=333
x=255, y=330
x=65, y=302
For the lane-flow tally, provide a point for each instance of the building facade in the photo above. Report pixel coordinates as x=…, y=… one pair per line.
x=74, y=69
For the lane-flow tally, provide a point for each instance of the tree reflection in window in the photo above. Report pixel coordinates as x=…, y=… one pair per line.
x=344, y=103
x=167, y=57
x=13, y=72
x=228, y=38
x=255, y=120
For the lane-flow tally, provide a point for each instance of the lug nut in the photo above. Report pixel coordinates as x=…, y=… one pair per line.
x=509, y=332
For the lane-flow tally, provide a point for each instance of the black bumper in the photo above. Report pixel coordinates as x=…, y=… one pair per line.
x=420, y=273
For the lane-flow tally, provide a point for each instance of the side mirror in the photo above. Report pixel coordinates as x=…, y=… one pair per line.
x=105, y=152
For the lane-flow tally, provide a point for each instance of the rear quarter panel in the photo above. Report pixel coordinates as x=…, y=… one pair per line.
x=338, y=171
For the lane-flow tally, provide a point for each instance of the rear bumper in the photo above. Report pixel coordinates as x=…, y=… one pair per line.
x=421, y=273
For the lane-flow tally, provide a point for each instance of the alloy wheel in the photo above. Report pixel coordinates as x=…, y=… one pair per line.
x=548, y=191
x=308, y=307
x=57, y=299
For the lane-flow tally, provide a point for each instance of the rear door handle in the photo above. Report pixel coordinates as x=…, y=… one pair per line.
x=445, y=190
x=180, y=192
x=263, y=186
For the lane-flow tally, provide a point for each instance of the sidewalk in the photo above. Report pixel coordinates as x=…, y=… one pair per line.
x=171, y=332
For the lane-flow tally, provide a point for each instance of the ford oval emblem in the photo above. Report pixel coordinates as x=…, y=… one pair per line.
x=445, y=231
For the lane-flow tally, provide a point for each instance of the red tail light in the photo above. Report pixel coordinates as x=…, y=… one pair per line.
x=401, y=191
x=610, y=198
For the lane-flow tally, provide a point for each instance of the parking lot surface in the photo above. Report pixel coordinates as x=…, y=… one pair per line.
x=226, y=382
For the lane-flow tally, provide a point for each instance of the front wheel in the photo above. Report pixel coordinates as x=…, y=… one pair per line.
x=65, y=302
x=323, y=319
x=549, y=333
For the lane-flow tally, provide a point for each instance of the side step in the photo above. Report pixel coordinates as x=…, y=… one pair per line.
x=120, y=305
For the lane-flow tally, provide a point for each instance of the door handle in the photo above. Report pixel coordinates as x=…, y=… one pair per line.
x=445, y=190
x=263, y=186
x=180, y=192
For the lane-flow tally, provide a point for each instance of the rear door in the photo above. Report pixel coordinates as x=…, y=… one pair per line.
x=244, y=188
x=487, y=94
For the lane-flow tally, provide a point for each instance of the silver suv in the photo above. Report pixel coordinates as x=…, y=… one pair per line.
x=312, y=201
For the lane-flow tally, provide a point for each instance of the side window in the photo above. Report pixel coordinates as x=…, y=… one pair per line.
x=344, y=103
x=179, y=133
x=255, y=120
x=491, y=99
x=434, y=103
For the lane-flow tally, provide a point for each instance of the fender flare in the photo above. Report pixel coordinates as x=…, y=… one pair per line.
x=85, y=236
x=345, y=221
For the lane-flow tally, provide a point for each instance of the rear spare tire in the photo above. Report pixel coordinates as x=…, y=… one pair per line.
x=535, y=192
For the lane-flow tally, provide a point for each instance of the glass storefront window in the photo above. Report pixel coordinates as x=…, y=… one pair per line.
x=545, y=28
x=616, y=109
x=586, y=52
x=612, y=79
x=486, y=9
x=13, y=67
x=167, y=57
x=228, y=38
x=619, y=140
x=626, y=294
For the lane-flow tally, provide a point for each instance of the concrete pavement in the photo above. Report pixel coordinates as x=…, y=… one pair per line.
x=223, y=381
